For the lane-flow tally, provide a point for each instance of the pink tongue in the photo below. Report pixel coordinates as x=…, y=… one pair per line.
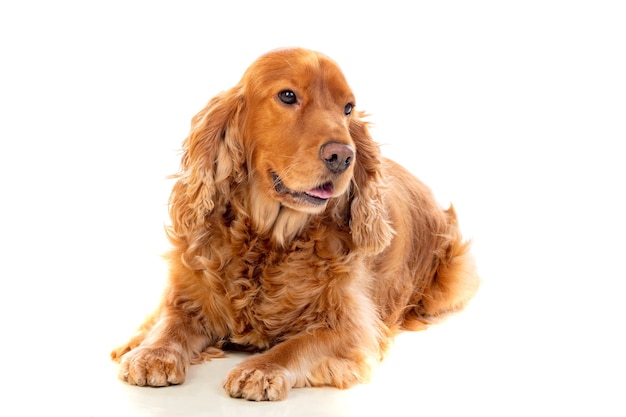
x=325, y=191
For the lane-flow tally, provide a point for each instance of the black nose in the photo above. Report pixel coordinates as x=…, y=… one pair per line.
x=337, y=156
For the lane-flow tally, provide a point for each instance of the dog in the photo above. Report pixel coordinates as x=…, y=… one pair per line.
x=293, y=238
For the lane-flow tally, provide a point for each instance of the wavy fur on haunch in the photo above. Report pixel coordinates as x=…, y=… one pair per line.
x=294, y=238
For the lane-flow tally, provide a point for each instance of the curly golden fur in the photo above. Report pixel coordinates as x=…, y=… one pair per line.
x=294, y=238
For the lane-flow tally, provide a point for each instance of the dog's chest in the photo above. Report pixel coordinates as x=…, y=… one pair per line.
x=274, y=294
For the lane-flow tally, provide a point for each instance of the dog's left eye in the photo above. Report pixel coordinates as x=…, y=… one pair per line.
x=287, y=97
x=348, y=109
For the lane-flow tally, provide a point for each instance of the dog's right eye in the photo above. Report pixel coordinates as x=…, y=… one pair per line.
x=287, y=97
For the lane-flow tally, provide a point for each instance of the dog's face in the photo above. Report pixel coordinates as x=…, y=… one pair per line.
x=298, y=111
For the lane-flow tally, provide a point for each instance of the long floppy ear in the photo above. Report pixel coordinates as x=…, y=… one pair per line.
x=212, y=159
x=369, y=222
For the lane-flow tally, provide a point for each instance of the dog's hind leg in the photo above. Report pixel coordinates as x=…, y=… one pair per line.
x=455, y=280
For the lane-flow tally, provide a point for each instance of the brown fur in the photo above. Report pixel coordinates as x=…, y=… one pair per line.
x=318, y=289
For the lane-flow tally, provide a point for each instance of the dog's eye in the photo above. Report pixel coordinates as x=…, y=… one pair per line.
x=287, y=97
x=348, y=109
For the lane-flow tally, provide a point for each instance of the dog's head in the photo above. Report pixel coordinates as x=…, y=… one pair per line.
x=289, y=135
x=297, y=128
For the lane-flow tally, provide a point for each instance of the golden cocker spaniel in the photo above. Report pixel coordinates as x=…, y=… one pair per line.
x=294, y=238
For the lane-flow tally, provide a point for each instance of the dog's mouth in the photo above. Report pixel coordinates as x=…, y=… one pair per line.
x=317, y=196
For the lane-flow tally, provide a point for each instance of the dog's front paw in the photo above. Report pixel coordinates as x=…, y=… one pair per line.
x=155, y=367
x=267, y=382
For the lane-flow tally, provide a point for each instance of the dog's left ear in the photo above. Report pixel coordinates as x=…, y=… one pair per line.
x=212, y=160
x=369, y=223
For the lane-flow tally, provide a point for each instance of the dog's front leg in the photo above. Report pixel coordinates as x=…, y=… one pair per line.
x=320, y=358
x=164, y=354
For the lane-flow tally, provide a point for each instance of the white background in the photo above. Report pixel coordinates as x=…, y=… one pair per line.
x=514, y=111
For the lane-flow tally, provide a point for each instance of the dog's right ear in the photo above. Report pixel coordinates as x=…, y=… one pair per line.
x=212, y=159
